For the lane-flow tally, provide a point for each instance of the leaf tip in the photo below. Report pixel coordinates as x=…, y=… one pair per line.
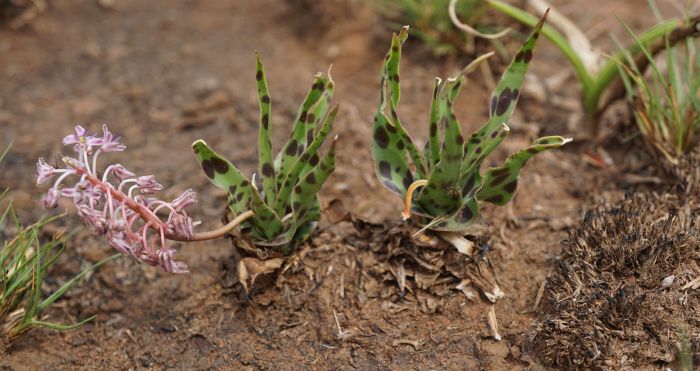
x=199, y=142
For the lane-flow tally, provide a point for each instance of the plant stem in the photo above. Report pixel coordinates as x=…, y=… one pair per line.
x=151, y=218
x=216, y=233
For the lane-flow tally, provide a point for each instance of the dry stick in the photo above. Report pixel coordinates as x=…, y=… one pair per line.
x=151, y=218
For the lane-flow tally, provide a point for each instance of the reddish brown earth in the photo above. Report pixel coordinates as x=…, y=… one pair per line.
x=163, y=74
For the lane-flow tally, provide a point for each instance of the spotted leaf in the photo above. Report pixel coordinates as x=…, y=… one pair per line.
x=305, y=161
x=308, y=186
x=505, y=97
x=266, y=167
x=225, y=176
x=310, y=113
x=460, y=220
x=442, y=194
x=389, y=153
x=391, y=92
x=432, y=152
x=500, y=183
x=390, y=70
x=268, y=224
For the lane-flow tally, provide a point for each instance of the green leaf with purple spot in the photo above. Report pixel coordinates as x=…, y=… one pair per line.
x=432, y=152
x=500, y=183
x=225, y=176
x=305, y=161
x=461, y=219
x=268, y=225
x=266, y=168
x=306, y=190
x=299, y=138
x=391, y=92
x=442, y=194
x=505, y=97
x=389, y=154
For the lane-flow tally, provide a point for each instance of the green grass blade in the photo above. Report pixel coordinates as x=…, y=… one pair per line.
x=70, y=283
x=61, y=327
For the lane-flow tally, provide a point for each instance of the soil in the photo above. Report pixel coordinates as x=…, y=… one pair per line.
x=163, y=74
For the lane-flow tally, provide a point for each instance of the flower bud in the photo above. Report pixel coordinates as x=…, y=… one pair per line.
x=51, y=198
x=187, y=198
x=147, y=184
x=121, y=173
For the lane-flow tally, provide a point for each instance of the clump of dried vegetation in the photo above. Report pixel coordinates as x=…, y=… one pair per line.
x=624, y=287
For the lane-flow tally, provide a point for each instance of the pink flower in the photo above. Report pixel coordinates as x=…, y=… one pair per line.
x=165, y=260
x=187, y=198
x=148, y=185
x=182, y=225
x=120, y=172
x=117, y=241
x=81, y=141
x=44, y=172
x=109, y=142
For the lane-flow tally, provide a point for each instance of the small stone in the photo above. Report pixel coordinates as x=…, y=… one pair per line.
x=668, y=281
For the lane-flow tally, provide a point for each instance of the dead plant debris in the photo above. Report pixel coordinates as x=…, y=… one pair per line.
x=610, y=304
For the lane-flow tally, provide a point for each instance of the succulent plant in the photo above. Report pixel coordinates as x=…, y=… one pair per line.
x=283, y=194
x=448, y=169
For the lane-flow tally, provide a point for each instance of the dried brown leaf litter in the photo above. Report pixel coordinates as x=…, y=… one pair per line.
x=610, y=302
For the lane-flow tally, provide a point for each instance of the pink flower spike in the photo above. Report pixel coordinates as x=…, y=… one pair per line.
x=131, y=220
x=44, y=172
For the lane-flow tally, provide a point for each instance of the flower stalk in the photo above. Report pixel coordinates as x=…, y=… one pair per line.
x=119, y=206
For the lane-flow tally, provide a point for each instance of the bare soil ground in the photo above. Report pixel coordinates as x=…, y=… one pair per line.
x=163, y=74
